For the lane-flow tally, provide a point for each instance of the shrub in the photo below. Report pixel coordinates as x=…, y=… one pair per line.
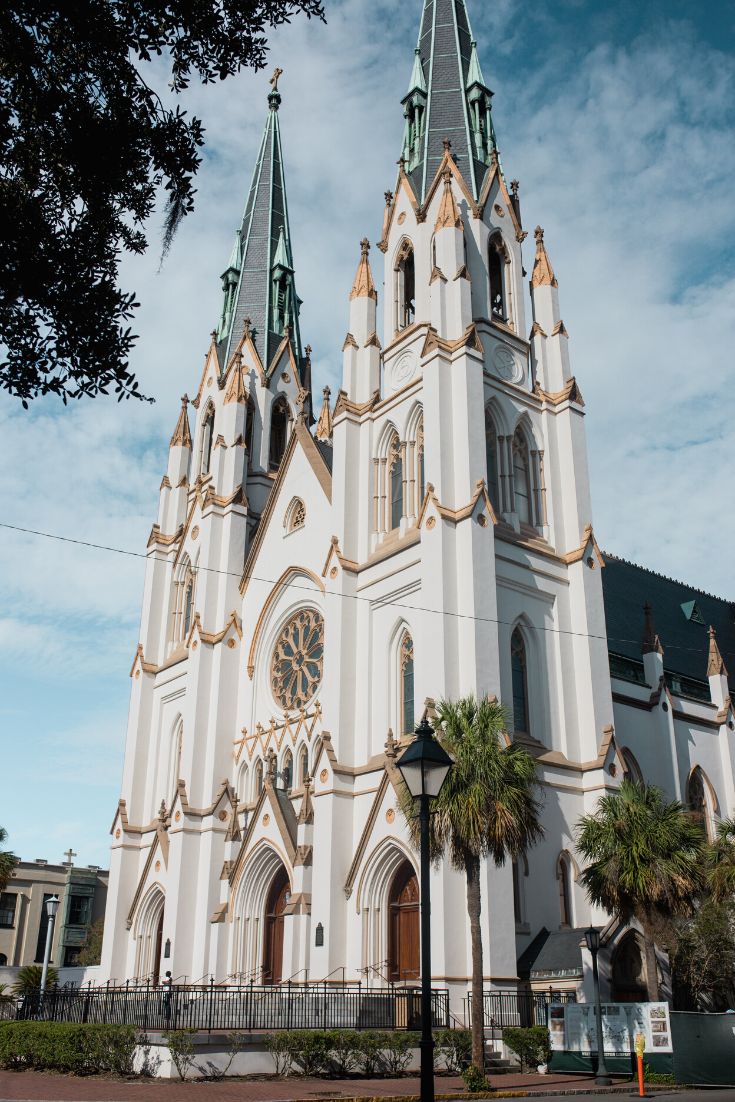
x=475, y=1080
x=371, y=1051
x=310, y=1051
x=344, y=1050
x=280, y=1046
x=68, y=1046
x=397, y=1051
x=454, y=1048
x=181, y=1046
x=664, y=1077
x=531, y=1044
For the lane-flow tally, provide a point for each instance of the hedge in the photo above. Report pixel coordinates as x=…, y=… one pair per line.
x=531, y=1044
x=68, y=1046
x=370, y=1052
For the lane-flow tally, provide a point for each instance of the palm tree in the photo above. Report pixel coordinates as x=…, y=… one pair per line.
x=646, y=858
x=722, y=862
x=487, y=807
x=8, y=861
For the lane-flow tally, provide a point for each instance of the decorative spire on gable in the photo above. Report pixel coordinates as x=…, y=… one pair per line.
x=324, y=424
x=182, y=433
x=651, y=641
x=364, y=285
x=259, y=280
x=715, y=664
x=447, y=95
x=448, y=216
x=543, y=273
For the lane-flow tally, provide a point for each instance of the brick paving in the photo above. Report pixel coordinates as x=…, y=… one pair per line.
x=49, y=1087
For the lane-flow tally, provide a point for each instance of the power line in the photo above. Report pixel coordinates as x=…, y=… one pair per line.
x=344, y=596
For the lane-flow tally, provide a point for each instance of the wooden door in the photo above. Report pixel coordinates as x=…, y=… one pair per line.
x=157, y=951
x=278, y=897
x=403, y=929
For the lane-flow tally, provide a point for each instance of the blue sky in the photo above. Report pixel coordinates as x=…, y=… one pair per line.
x=617, y=119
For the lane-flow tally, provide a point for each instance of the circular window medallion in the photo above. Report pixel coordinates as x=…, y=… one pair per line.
x=231, y=643
x=401, y=218
x=506, y=364
x=177, y=816
x=431, y=522
x=266, y=819
x=323, y=776
x=117, y=832
x=390, y=815
x=209, y=381
x=403, y=370
x=482, y=520
x=298, y=660
x=286, y=377
x=333, y=572
x=223, y=816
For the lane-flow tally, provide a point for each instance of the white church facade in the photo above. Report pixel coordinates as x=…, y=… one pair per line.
x=314, y=585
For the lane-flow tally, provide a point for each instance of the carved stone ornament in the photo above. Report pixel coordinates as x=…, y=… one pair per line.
x=403, y=370
x=298, y=660
x=506, y=364
x=401, y=218
x=323, y=776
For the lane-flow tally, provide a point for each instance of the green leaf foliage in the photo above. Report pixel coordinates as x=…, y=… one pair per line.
x=531, y=1044
x=8, y=861
x=91, y=951
x=68, y=1047
x=721, y=873
x=87, y=147
x=28, y=980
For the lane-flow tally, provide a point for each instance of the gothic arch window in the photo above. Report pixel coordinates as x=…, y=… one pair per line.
x=395, y=480
x=287, y=770
x=699, y=800
x=303, y=764
x=405, y=286
x=258, y=778
x=295, y=515
x=522, y=479
x=207, y=442
x=249, y=429
x=491, y=457
x=420, y=465
x=631, y=768
x=520, y=874
x=498, y=265
x=279, y=432
x=406, y=683
x=183, y=601
x=564, y=878
x=188, y=603
x=242, y=783
x=519, y=675
x=174, y=762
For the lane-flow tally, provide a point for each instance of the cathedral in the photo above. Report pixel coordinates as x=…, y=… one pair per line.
x=321, y=572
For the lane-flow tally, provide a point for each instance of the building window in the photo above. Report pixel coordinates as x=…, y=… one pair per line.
x=421, y=464
x=565, y=891
x=297, y=661
x=407, y=692
x=497, y=274
x=295, y=515
x=258, y=778
x=279, y=432
x=287, y=771
x=80, y=907
x=697, y=793
x=491, y=457
x=520, y=682
x=517, y=898
x=8, y=901
x=303, y=765
x=71, y=955
x=631, y=768
x=188, y=602
x=521, y=479
x=395, y=461
x=207, y=442
x=406, y=287
x=3, y=960
x=249, y=426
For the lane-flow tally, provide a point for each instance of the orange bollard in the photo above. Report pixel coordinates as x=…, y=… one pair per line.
x=640, y=1048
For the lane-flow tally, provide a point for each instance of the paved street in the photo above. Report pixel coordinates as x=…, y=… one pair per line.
x=38, y=1087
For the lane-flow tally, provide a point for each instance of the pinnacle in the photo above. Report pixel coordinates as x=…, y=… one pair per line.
x=182, y=433
x=543, y=273
x=324, y=424
x=448, y=216
x=364, y=285
x=715, y=663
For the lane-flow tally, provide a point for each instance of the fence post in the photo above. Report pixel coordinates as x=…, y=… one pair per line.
x=145, y=1009
x=324, y=1011
x=250, y=1007
x=211, y=999
x=289, y=1013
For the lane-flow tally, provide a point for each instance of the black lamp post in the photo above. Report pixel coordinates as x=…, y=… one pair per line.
x=52, y=906
x=592, y=937
x=424, y=765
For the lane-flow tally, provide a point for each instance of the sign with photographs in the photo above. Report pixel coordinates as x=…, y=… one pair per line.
x=573, y=1027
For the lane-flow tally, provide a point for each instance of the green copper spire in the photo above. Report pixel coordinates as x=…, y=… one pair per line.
x=449, y=99
x=261, y=266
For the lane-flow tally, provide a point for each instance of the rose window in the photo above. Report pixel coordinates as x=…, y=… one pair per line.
x=298, y=659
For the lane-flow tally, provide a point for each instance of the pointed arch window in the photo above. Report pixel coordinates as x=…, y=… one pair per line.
x=207, y=442
x=188, y=604
x=249, y=427
x=697, y=798
x=521, y=479
x=497, y=266
x=421, y=468
x=258, y=788
x=519, y=675
x=279, y=432
x=491, y=457
x=406, y=286
x=287, y=770
x=395, y=461
x=303, y=765
x=564, y=876
x=406, y=683
x=631, y=768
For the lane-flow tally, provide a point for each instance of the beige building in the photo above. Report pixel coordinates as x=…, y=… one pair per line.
x=23, y=921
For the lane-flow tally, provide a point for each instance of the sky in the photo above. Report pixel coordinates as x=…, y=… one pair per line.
x=616, y=119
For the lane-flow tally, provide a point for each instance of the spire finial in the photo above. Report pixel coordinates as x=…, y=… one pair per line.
x=364, y=285
x=324, y=424
x=182, y=433
x=274, y=79
x=274, y=96
x=447, y=145
x=715, y=663
x=651, y=641
x=514, y=186
x=543, y=273
x=388, y=198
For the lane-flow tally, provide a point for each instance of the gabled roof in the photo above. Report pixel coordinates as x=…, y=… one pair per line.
x=448, y=71
x=264, y=244
x=627, y=588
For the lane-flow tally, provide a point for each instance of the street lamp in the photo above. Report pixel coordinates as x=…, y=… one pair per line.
x=424, y=766
x=592, y=937
x=52, y=906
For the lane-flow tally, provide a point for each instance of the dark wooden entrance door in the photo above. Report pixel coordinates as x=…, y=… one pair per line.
x=157, y=951
x=403, y=925
x=278, y=897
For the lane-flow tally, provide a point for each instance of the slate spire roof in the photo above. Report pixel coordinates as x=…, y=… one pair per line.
x=259, y=278
x=447, y=98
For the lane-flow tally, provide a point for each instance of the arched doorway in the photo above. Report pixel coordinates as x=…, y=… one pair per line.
x=278, y=897
x=403, y=924
x=628, y=972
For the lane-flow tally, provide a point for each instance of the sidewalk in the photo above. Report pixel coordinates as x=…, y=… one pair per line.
x=49, y=1087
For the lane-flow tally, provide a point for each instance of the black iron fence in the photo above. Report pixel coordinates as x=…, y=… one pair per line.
x=518, y=1008
x=251, y=1007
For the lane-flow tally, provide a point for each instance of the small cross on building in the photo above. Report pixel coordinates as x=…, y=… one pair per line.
x=70, y=855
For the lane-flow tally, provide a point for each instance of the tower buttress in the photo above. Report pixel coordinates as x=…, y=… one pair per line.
x=548, y=335
x=716, y=672
x=361, y=352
